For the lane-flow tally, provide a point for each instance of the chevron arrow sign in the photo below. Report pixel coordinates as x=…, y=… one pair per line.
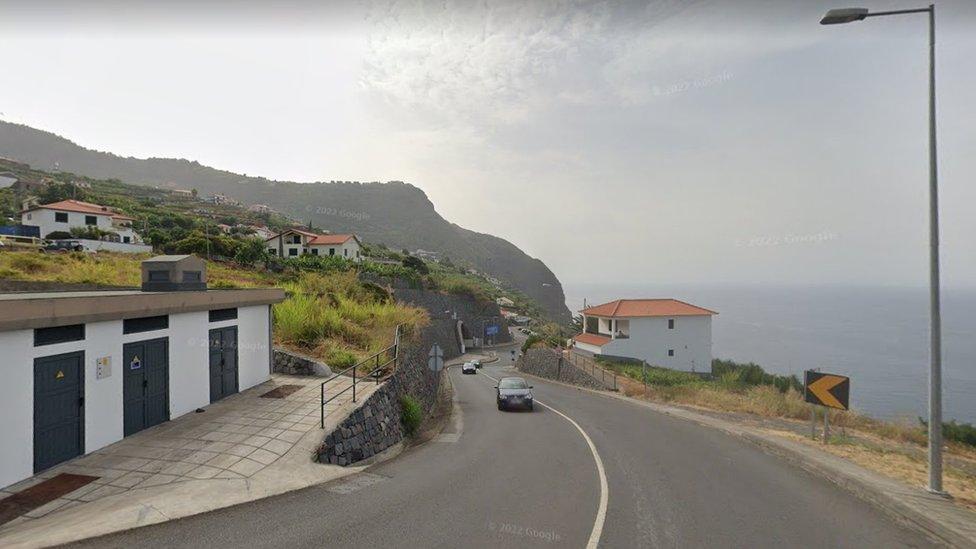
x=830, y=390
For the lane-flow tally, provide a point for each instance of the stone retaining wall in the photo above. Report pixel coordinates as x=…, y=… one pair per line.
x=376, y=425
x=550, y=364
x=287, y=362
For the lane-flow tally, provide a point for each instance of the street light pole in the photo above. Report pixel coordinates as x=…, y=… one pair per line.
x=849, y=15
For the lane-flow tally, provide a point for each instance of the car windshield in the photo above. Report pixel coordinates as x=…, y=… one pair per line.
x=512, y=383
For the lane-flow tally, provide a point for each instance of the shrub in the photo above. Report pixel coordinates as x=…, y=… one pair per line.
x=753, y=374
x=530, y=342
x=410, y=414
x=252, y=250
x=58, y=235
x=964, y=433
x=415, y=263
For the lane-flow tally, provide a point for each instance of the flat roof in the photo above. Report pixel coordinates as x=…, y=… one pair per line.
x=28, y=310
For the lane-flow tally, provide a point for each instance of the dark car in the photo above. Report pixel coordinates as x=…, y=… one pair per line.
x=513, y=392
x=63, y=246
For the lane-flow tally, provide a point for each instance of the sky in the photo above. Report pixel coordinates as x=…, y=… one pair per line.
x=671, y=141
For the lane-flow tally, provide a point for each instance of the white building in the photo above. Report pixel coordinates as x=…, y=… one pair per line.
x=83, y=370
x=296, y=242
x=68, y=214
x=664, y=332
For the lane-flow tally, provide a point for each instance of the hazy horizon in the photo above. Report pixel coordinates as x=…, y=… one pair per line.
x=645, y=142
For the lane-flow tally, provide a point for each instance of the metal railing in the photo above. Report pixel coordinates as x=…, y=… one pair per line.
x=378, y=362
x=589, y=367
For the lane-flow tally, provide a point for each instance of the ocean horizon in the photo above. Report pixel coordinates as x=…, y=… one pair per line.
x=877, y=336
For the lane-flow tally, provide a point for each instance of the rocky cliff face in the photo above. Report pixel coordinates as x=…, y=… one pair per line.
x=395, y=213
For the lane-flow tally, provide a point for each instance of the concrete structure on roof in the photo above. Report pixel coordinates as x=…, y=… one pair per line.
x=664, y=332
x=85, y=369
x=297, y=242
x=69, y=214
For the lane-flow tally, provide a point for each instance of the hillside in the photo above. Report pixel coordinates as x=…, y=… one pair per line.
x=396, y=214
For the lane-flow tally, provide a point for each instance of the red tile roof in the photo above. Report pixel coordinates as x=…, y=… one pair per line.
x=78, y=206
x=646, y=307
x=333, y=239
x=592, y=339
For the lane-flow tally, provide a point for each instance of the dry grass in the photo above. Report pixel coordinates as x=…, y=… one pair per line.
x=111, y=269
x=900, y=466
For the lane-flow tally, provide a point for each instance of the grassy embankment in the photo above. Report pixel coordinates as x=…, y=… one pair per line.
x=329, y=315
x=893, y=448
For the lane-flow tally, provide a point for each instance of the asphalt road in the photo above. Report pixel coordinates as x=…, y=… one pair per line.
x=517, y=479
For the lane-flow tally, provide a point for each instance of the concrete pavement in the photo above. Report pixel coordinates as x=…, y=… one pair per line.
x=242, y=448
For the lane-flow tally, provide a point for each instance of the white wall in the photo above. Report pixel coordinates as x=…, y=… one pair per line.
x=346, y=250
x=650, y=340
x=189, y=377
x=45, y=220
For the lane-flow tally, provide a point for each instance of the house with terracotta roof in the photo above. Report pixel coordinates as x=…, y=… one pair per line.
x=65, y=215
x=295, y=242
x=664, y=332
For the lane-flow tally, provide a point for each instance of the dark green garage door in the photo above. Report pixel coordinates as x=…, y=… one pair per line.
x=59, y=390
x=145, y=385
x=223, y=362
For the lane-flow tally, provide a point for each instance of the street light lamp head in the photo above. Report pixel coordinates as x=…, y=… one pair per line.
x=844, y=15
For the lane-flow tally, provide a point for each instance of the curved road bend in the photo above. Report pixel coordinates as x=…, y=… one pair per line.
x=530, y=479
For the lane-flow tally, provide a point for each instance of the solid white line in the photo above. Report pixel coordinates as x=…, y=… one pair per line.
x=601, y=512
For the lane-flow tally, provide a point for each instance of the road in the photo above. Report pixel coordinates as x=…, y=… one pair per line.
x=517, y=479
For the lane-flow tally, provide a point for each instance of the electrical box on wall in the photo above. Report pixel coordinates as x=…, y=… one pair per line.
x=103, y=367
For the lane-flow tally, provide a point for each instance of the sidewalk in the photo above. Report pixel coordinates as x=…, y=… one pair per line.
x=243, y=448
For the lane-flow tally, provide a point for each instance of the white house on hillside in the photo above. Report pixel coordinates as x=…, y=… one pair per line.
x=664, y=332
x=67, y=214
x=296, y=242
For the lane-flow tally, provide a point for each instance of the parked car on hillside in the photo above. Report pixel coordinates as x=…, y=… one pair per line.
x=513, y=392
x=63, y=246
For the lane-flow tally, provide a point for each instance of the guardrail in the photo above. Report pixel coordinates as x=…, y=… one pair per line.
x=379, y=360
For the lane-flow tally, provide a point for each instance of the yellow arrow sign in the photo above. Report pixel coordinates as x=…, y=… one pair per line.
x=821, y=389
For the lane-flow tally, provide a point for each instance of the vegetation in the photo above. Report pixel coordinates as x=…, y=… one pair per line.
x=338, y=318
x=411, y=414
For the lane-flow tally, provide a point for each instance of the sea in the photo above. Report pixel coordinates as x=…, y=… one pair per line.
x=877, y=336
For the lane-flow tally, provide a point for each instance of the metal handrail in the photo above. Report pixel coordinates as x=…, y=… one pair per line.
x=373, y=372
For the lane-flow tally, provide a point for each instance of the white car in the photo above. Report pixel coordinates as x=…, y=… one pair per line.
x=469, y=368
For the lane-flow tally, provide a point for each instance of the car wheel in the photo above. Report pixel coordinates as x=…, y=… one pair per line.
x=531, y=407
x=500, y=406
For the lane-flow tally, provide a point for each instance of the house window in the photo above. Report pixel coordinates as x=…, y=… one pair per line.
x=331, y=251
x=58, y=334
x=145, y=324
x=357, y=253
x=158, y=276
x=217, y=315
x=670, y=323
x=670, y=352
x=91, y=220
x=345, y=252
x=59, y=217
x=292, y=251
x=126, y=239
x=296, y=239
x=315, y=251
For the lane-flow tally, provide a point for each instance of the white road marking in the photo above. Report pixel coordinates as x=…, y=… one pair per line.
x=601, y=512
